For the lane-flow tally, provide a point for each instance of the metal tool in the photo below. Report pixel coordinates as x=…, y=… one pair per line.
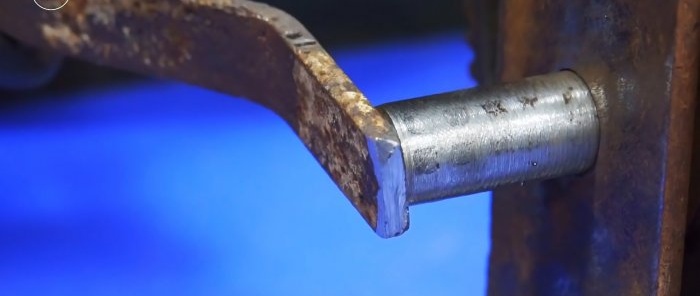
x=382, y=159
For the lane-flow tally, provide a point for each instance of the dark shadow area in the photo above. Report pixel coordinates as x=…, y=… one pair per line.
x=342, y=22
x=73, y=75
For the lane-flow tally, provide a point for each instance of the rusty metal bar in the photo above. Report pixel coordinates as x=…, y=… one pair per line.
x=241, y=48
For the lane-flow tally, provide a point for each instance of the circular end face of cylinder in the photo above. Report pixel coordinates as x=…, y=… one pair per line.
x=392, y=208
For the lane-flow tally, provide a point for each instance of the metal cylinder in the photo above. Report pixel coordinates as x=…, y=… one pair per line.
x=474, y=140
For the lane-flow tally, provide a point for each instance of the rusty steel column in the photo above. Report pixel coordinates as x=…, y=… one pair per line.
x=619, y=229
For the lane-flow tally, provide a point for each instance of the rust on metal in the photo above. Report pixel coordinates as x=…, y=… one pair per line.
x=691, y=255
x=482, y=19
x=619, y=229
x=238, y=47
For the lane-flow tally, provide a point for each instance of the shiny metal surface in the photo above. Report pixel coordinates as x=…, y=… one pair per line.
x=388, y=163
x=474, y=140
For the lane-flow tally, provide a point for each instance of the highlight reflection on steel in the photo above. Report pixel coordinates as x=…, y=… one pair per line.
x=474, y=140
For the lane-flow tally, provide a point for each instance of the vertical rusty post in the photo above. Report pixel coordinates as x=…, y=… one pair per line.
x=482, y=32
x=618, y=229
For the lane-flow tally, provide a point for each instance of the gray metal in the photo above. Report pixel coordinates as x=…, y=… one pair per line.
x=474, y=140
x=392, y=207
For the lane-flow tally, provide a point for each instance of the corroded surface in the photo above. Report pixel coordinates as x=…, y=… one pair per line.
x=617, y=230
x=241, y=48
x=482, y=20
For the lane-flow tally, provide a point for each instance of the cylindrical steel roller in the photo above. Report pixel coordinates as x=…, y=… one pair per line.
x=474, y=140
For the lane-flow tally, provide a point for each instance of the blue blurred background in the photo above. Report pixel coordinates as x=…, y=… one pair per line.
x=159, y=188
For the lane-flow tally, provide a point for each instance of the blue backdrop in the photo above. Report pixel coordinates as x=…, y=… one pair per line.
x=160, y=188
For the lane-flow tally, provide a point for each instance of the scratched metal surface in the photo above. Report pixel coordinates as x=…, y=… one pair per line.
x=474, y=140
x=619, y=229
